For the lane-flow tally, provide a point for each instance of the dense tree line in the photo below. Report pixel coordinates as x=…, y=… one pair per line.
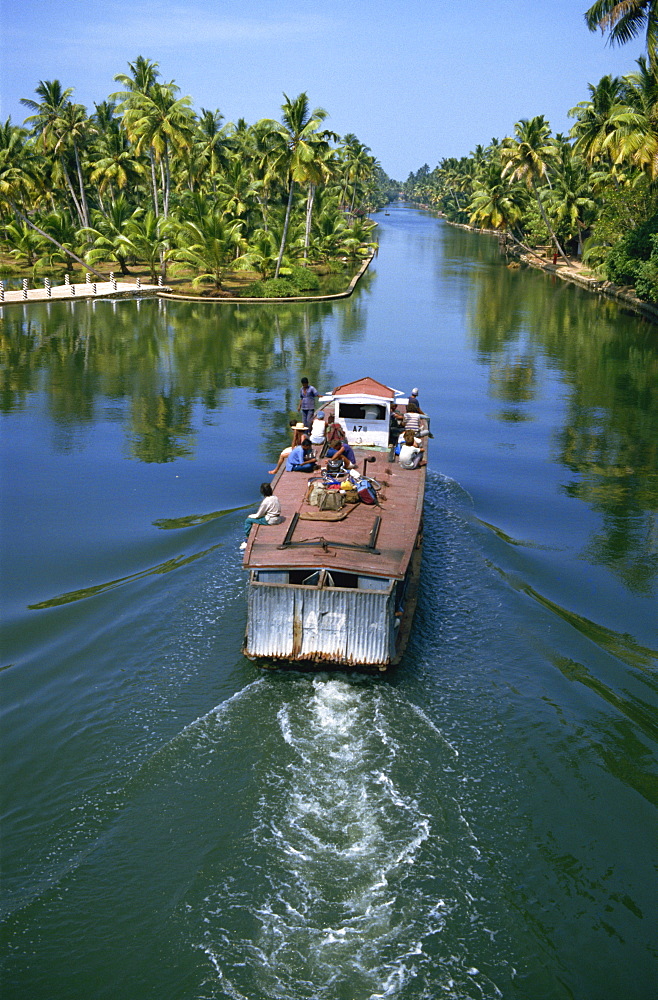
x=592, y=193
x=145, y=179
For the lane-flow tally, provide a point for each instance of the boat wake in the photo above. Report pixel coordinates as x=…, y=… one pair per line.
x=357, y=860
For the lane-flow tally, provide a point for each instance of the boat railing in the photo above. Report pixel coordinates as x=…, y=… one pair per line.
x=325, y=544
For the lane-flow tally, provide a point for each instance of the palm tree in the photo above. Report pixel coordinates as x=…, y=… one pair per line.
x=594, y=118
x=109, y=232
x=47, y=127
x=157, y=121
x=359, y=165
x=115, y=165
x=298, y=147
x=22, y=242
x=635, y=138
x=235, y=190
x=493, y=204
x=18, y=181
x=624, y=20
x=73, y=128
x=210, y=148
x=263, y=252
x=145, y=238
x=319, y=172
x=329, y=231
x=19, y=165
x=571, y=195
x=63, y=238
x=209, y=246
x=526, y=159
x=142, y=79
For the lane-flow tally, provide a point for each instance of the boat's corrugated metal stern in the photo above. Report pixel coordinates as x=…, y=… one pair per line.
x=351, y=627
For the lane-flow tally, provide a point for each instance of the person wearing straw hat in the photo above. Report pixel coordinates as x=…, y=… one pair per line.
x=299, y=430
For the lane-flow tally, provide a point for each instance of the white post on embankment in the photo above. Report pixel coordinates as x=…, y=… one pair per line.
x=138, y=281
x=24, y=288
x=47, y=287
x=67, y=279
x=2, y=291
x=88, y=278
x=93, y=288
x=160, y=281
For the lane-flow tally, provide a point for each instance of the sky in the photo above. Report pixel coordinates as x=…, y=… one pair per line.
x=415, y=80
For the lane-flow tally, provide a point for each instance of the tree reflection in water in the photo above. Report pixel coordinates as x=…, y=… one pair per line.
x=152, y=363
x=609, y=435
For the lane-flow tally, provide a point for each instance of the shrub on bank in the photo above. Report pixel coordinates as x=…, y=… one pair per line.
x=624, y=262
x=293, y=281
x=646, y=282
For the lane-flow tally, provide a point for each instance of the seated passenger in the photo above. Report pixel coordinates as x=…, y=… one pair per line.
x=413, y=422
x=334, y=434
x=269, y=512
x=343, y=450
x=301, y=458
x=298, y=429
x=317, y=429
x=395, y=422
x=410, y=453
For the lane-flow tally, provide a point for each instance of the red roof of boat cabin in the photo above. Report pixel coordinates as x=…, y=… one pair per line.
x=366, y=387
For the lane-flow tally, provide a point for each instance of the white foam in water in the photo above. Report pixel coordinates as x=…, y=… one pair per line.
x=342, y=862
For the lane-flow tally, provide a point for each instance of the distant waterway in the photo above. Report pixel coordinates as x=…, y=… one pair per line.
x=480, y=824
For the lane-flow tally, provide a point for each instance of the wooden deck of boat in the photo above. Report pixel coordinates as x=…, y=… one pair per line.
x=400, y=510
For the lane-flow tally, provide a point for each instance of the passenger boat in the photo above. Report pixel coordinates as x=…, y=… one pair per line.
x=339, y=587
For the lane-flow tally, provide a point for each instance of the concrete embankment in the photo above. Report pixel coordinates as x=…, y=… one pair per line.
x=82, y=290
x=131, y=290
x=243, y=299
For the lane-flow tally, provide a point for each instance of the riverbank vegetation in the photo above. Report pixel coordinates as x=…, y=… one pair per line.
x=591, y=195
x=146, y=183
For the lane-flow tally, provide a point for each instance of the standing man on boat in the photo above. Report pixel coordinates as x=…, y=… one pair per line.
x=307, y=397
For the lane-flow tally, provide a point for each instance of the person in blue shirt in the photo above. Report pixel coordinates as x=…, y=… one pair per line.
x=307, y=397
x=301, y=458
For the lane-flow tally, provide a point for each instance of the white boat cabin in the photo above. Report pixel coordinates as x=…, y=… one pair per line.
x=363, y=409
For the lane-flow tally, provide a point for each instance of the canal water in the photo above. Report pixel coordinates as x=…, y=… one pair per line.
x=481, y=824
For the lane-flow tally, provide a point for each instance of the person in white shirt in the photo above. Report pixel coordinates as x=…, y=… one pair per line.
x=318, y=427
x=269, y=512
x=411, y=454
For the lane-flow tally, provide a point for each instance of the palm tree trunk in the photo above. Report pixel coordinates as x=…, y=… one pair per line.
x=164, y=165
x=53, y=240
x=285, y=229
x=524, y=246
x=83, y=195
x=309, y=213
x=69, y=184
x=154, y=183
x=547, y=224
x=344, y=194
